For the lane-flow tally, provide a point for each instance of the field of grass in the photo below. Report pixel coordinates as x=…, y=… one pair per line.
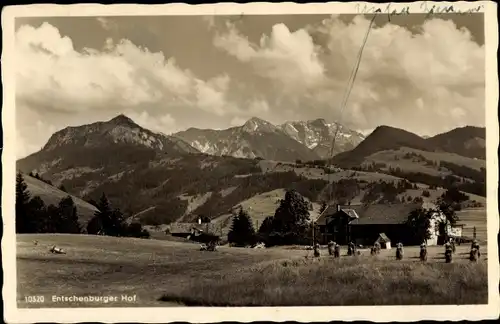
x=150, y=269
x=474, y=217
x=352, y=281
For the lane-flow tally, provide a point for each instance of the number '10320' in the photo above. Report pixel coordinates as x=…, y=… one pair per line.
x=34, y=299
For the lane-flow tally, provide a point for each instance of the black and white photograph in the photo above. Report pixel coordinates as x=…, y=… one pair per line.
x=341, y=156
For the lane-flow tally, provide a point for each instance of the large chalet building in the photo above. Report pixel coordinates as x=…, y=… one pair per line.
x=365, y=224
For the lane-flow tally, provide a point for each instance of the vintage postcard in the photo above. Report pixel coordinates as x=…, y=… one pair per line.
x=250, y=162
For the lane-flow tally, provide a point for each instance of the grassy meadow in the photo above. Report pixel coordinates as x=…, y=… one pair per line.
x=168, y=273
x=351, y=281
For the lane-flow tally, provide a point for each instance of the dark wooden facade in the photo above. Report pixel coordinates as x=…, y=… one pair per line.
x=363, y=224
x=336, y=229
x=367, y=234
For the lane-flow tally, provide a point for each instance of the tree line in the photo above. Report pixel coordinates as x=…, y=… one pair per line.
x=289, y=225
x=34, y=216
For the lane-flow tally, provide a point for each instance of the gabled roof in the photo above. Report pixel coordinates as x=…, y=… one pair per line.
x=332, y=210
x=351, y=212
x=385, y=213
x=371, y=214
x=382, y=238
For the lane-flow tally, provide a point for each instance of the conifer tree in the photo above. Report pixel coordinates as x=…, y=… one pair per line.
x=242, y=231
x=267, y=226
x=68, y=217
x=94, y=226
x=52, y=219
x=106, y=220
x=23, y=222
x=117, y=223
x=38, y=215
x=100, y=223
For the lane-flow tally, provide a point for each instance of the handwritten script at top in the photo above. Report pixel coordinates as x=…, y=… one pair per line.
x=429, y=9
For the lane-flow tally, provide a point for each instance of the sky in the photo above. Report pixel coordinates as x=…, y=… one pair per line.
x=168, y=73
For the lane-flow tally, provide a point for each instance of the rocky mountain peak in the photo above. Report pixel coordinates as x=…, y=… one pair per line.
x=118, y=130
x=256, y=124
x=317, y=134
x=320, y=122
x=122, y=120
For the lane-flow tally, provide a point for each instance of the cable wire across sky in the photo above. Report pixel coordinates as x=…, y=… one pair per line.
x=343, y=104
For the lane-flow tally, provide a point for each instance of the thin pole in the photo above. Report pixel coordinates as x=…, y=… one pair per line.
x=313, y=232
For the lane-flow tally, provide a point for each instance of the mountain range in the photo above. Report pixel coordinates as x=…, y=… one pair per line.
x=465, y=141
x=303, y=140
x=256, y=138
x=168, y=178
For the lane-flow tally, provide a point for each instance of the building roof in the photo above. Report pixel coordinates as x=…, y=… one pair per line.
x=332, y=210
x=371, y=214
x=382, y=238
x=351, y=212
x=384, y=213
x=185, y=228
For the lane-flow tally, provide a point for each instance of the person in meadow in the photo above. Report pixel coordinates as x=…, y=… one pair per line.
x=351, y=249
x=474, y=251
x=448, y=251
x=336, y=253
x=423, y=252
x=452, y=243
x=399, y=251
x=377, y=247
x=316, y=250
x=473, y=255
x=331, y=246
x=475, y=245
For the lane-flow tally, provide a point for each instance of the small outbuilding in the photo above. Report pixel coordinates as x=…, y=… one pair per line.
x=384, y=241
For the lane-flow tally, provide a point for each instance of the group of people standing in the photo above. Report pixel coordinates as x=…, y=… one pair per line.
x=450, y=249
x=333, y=249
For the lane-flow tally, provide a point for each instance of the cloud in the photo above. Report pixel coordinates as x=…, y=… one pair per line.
x=209, y=20
x=407, y=78
x=33, y=132
x=237, y=121
x=107, y=23
x=288, y=58
x=157, y=123
x=56, y=78
x=427, y=80
x=121, y=75
x=258, y=107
